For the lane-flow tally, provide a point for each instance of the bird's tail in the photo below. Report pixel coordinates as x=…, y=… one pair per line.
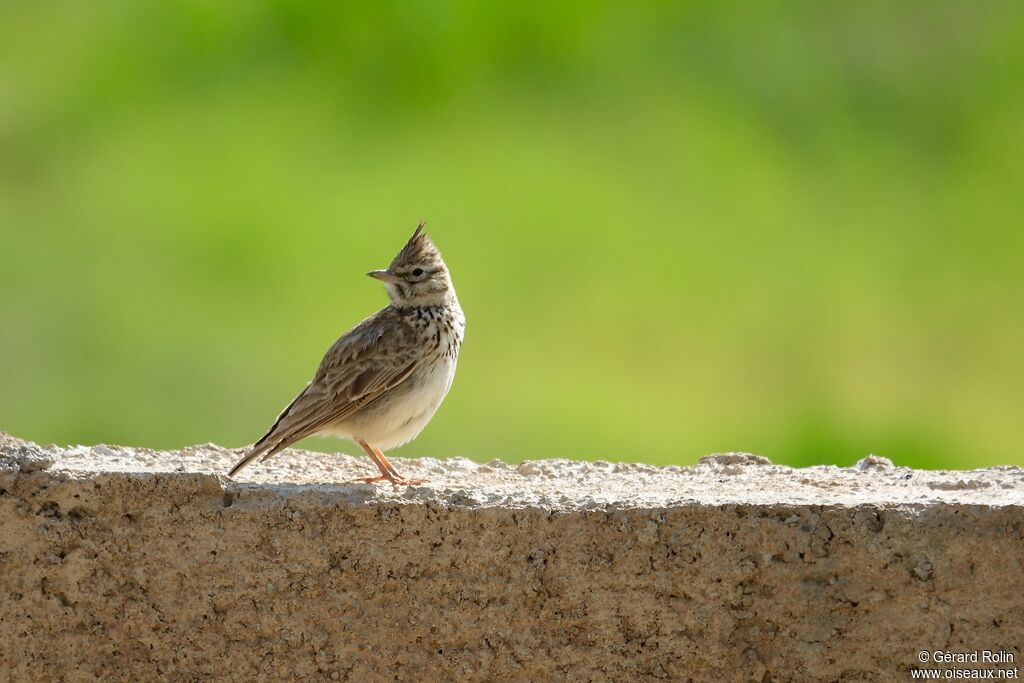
x=277, y=438
x=259, y=448
x=272, y=442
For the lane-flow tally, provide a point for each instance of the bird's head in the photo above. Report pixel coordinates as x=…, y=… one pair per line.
x=418, y=275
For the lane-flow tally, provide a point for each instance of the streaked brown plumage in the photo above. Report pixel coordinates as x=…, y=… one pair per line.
x=382, y=381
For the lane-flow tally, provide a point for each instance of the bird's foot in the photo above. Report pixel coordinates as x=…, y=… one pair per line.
x=395, y=480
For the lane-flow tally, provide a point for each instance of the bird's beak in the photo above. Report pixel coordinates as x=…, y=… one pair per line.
x=383, y=275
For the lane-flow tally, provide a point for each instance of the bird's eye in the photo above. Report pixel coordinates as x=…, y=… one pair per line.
x=416, y=272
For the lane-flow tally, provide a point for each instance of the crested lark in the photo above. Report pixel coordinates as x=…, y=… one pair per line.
x=382, y=380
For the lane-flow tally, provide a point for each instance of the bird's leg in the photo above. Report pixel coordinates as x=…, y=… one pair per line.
x=386, y=475
x=387, y=463
x=395, y=477
x=387, y=470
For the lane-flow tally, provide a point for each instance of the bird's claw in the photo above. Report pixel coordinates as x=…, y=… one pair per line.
x=395, y=481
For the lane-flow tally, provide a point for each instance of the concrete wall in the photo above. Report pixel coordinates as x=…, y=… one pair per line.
x=133, y=565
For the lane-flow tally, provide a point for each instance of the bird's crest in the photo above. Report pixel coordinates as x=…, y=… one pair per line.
x=419, y=248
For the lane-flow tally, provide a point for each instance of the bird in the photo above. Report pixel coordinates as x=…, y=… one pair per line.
x=382, y=381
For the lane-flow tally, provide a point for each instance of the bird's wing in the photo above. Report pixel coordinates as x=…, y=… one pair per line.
x=367, y=362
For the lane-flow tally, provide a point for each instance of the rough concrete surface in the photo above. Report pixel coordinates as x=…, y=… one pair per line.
x=129, y=564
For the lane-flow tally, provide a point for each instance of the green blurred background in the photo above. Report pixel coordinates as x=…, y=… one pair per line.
x=676, y=228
